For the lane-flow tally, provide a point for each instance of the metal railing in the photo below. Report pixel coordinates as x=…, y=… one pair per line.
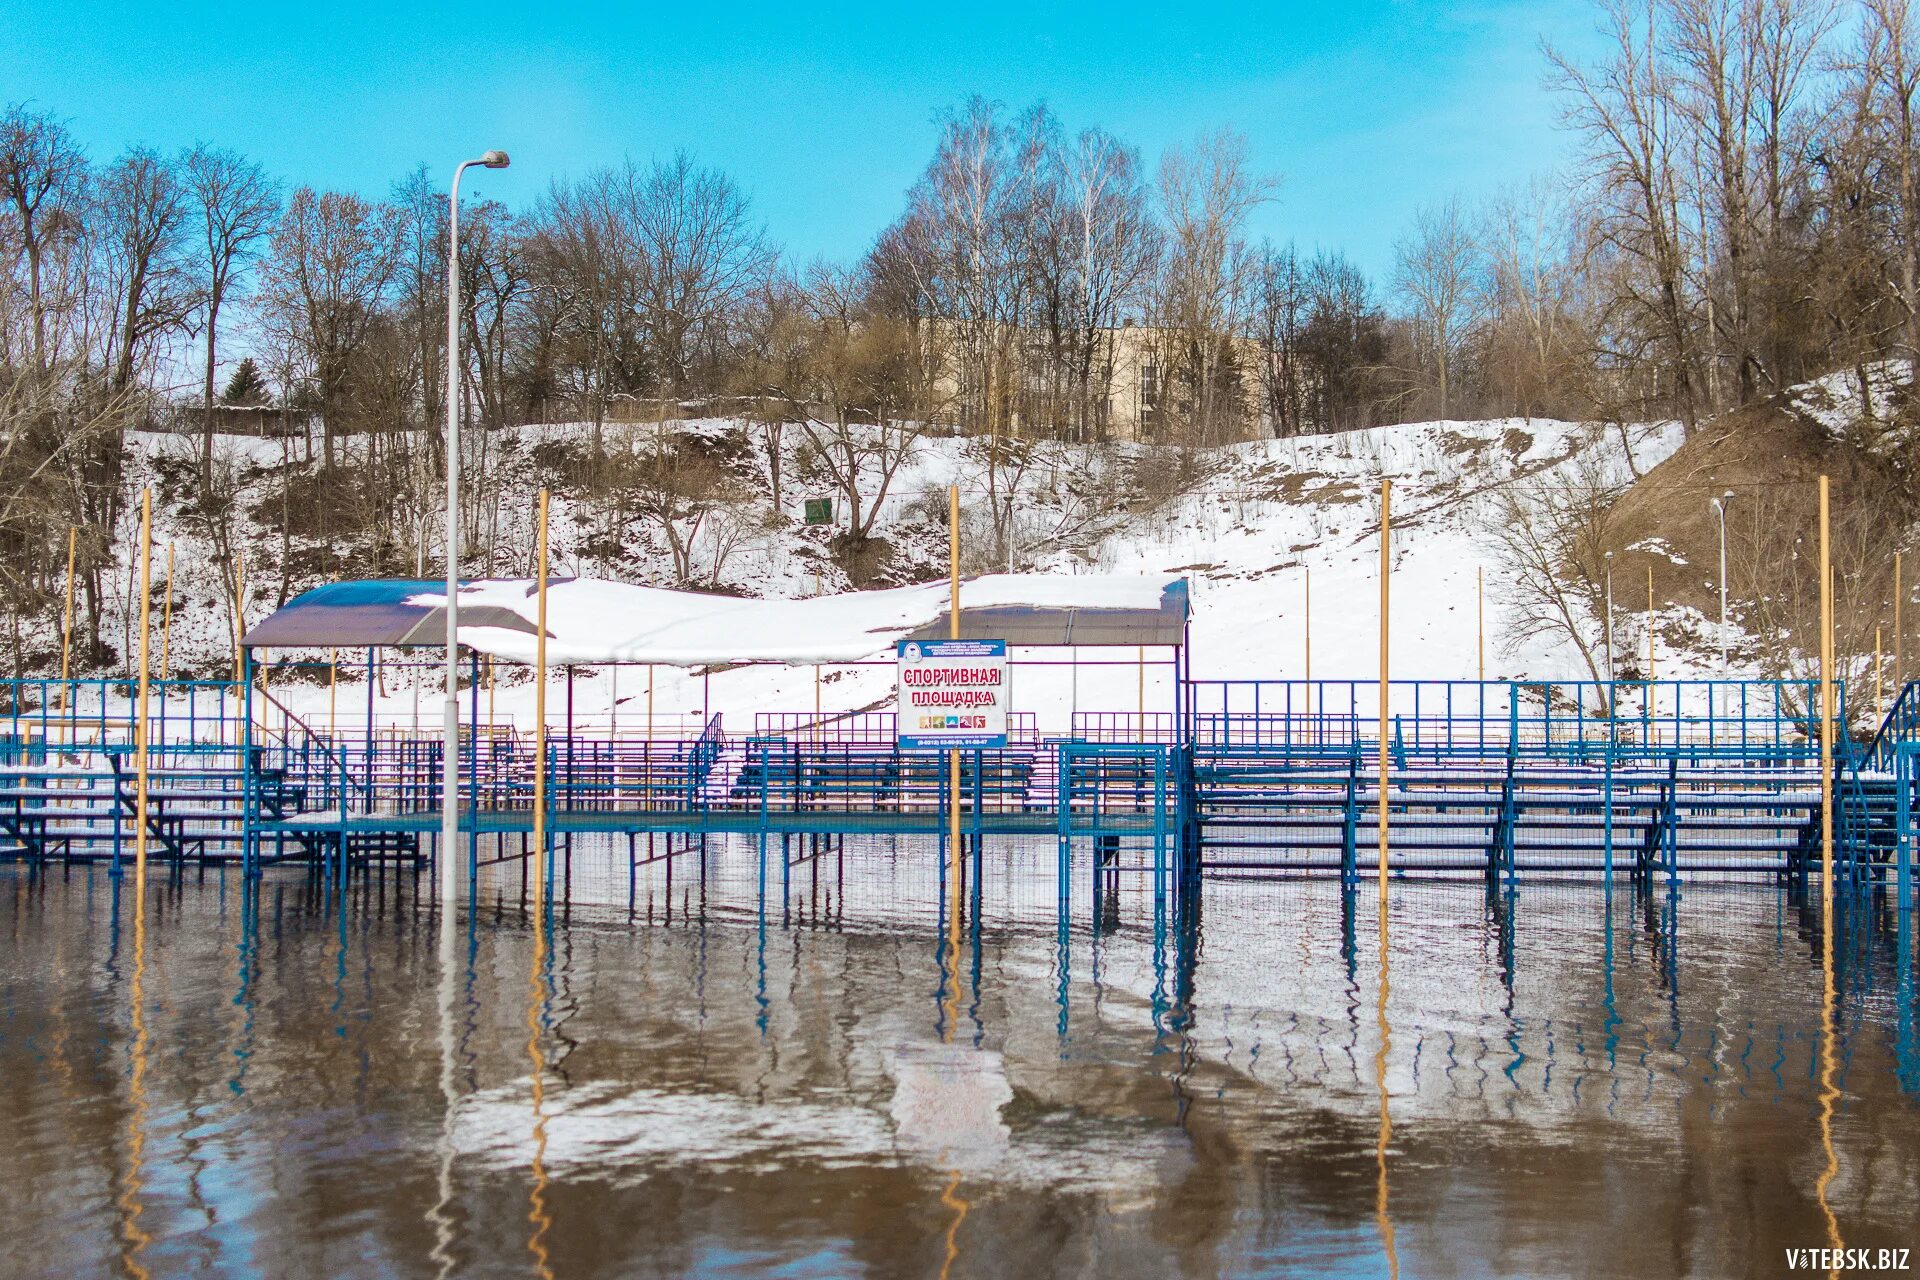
x=1435, y=718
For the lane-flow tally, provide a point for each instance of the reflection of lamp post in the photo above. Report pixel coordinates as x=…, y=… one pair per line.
x=450, y=745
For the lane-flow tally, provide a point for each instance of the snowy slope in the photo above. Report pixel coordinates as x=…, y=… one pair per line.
x=1266, y=514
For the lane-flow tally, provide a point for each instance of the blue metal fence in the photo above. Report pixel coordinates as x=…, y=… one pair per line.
x=1437, y=718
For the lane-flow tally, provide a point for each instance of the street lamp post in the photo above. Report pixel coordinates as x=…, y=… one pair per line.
x=450, y=744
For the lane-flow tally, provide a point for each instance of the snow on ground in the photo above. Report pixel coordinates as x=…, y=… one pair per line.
x=1834, y=402
x=1269, y=513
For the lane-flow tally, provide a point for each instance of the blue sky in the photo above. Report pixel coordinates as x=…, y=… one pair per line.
x=825, y=115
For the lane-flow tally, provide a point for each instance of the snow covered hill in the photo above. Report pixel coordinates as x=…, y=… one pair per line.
x=1263, y=517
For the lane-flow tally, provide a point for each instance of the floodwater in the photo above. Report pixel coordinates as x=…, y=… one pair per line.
x=1562, y=1082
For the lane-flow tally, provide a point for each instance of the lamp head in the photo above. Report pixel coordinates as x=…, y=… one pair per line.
x=495, y=160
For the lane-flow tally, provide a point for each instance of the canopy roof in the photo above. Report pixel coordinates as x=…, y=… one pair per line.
x=594, y=620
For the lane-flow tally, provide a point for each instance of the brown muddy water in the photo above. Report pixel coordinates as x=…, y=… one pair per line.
x=277, y=1081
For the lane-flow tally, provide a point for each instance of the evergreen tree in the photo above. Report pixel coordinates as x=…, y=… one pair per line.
x=248, y=386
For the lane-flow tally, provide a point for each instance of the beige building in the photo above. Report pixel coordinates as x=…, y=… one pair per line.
x=1133, y=366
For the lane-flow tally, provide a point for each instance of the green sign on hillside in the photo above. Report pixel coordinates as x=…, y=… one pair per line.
x=819, y=510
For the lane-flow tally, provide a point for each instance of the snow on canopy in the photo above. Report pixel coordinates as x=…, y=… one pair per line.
x=595, y=620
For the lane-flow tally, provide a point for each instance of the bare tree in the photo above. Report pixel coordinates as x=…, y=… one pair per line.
x=853, y=387
x=145, y=227
x=237, y=204
x=696, y=254
x=687, y=495
x=324, y=281
x=1440, y=273
x=585, y=290
x=1532, y=332
x=1207, y=191
x=1551, y=539
x=43, y=178
x=1888, y=65
x=1624, y=110
x=420, y=277
x=1092, y=248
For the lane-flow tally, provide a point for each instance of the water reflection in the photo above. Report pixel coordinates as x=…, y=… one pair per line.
x=1211, y=1088
x=539, y=994
x=134, y=1240
x=1380, y=1209
x=440, y=1217
x=1829, y=1092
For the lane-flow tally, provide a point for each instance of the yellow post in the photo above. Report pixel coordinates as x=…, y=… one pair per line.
x=1480, y=617
x=816, y=702
x=333, y=681
x=540, y=713
x=953, y=757
x=1650, y=675
x=166, y=623
x=1826, y=707
x=1386, y=579
x=66, y=635
x=1879, y=702
x=140, y=721
x=239, y=607
x=1140, y=664
x=1307, y=647
x=1899, y=591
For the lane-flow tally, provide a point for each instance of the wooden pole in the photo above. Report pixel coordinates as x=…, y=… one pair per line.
x=140, y=723
x=1826, y=705
x=166, y=623
x=66, y=635
x=1650, y=674
x=1386, y=581
x=540, y=713
x=239, y=607
x=1879, y=704
x=953, y=757
x=1307, y=654
x=1480, y=617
